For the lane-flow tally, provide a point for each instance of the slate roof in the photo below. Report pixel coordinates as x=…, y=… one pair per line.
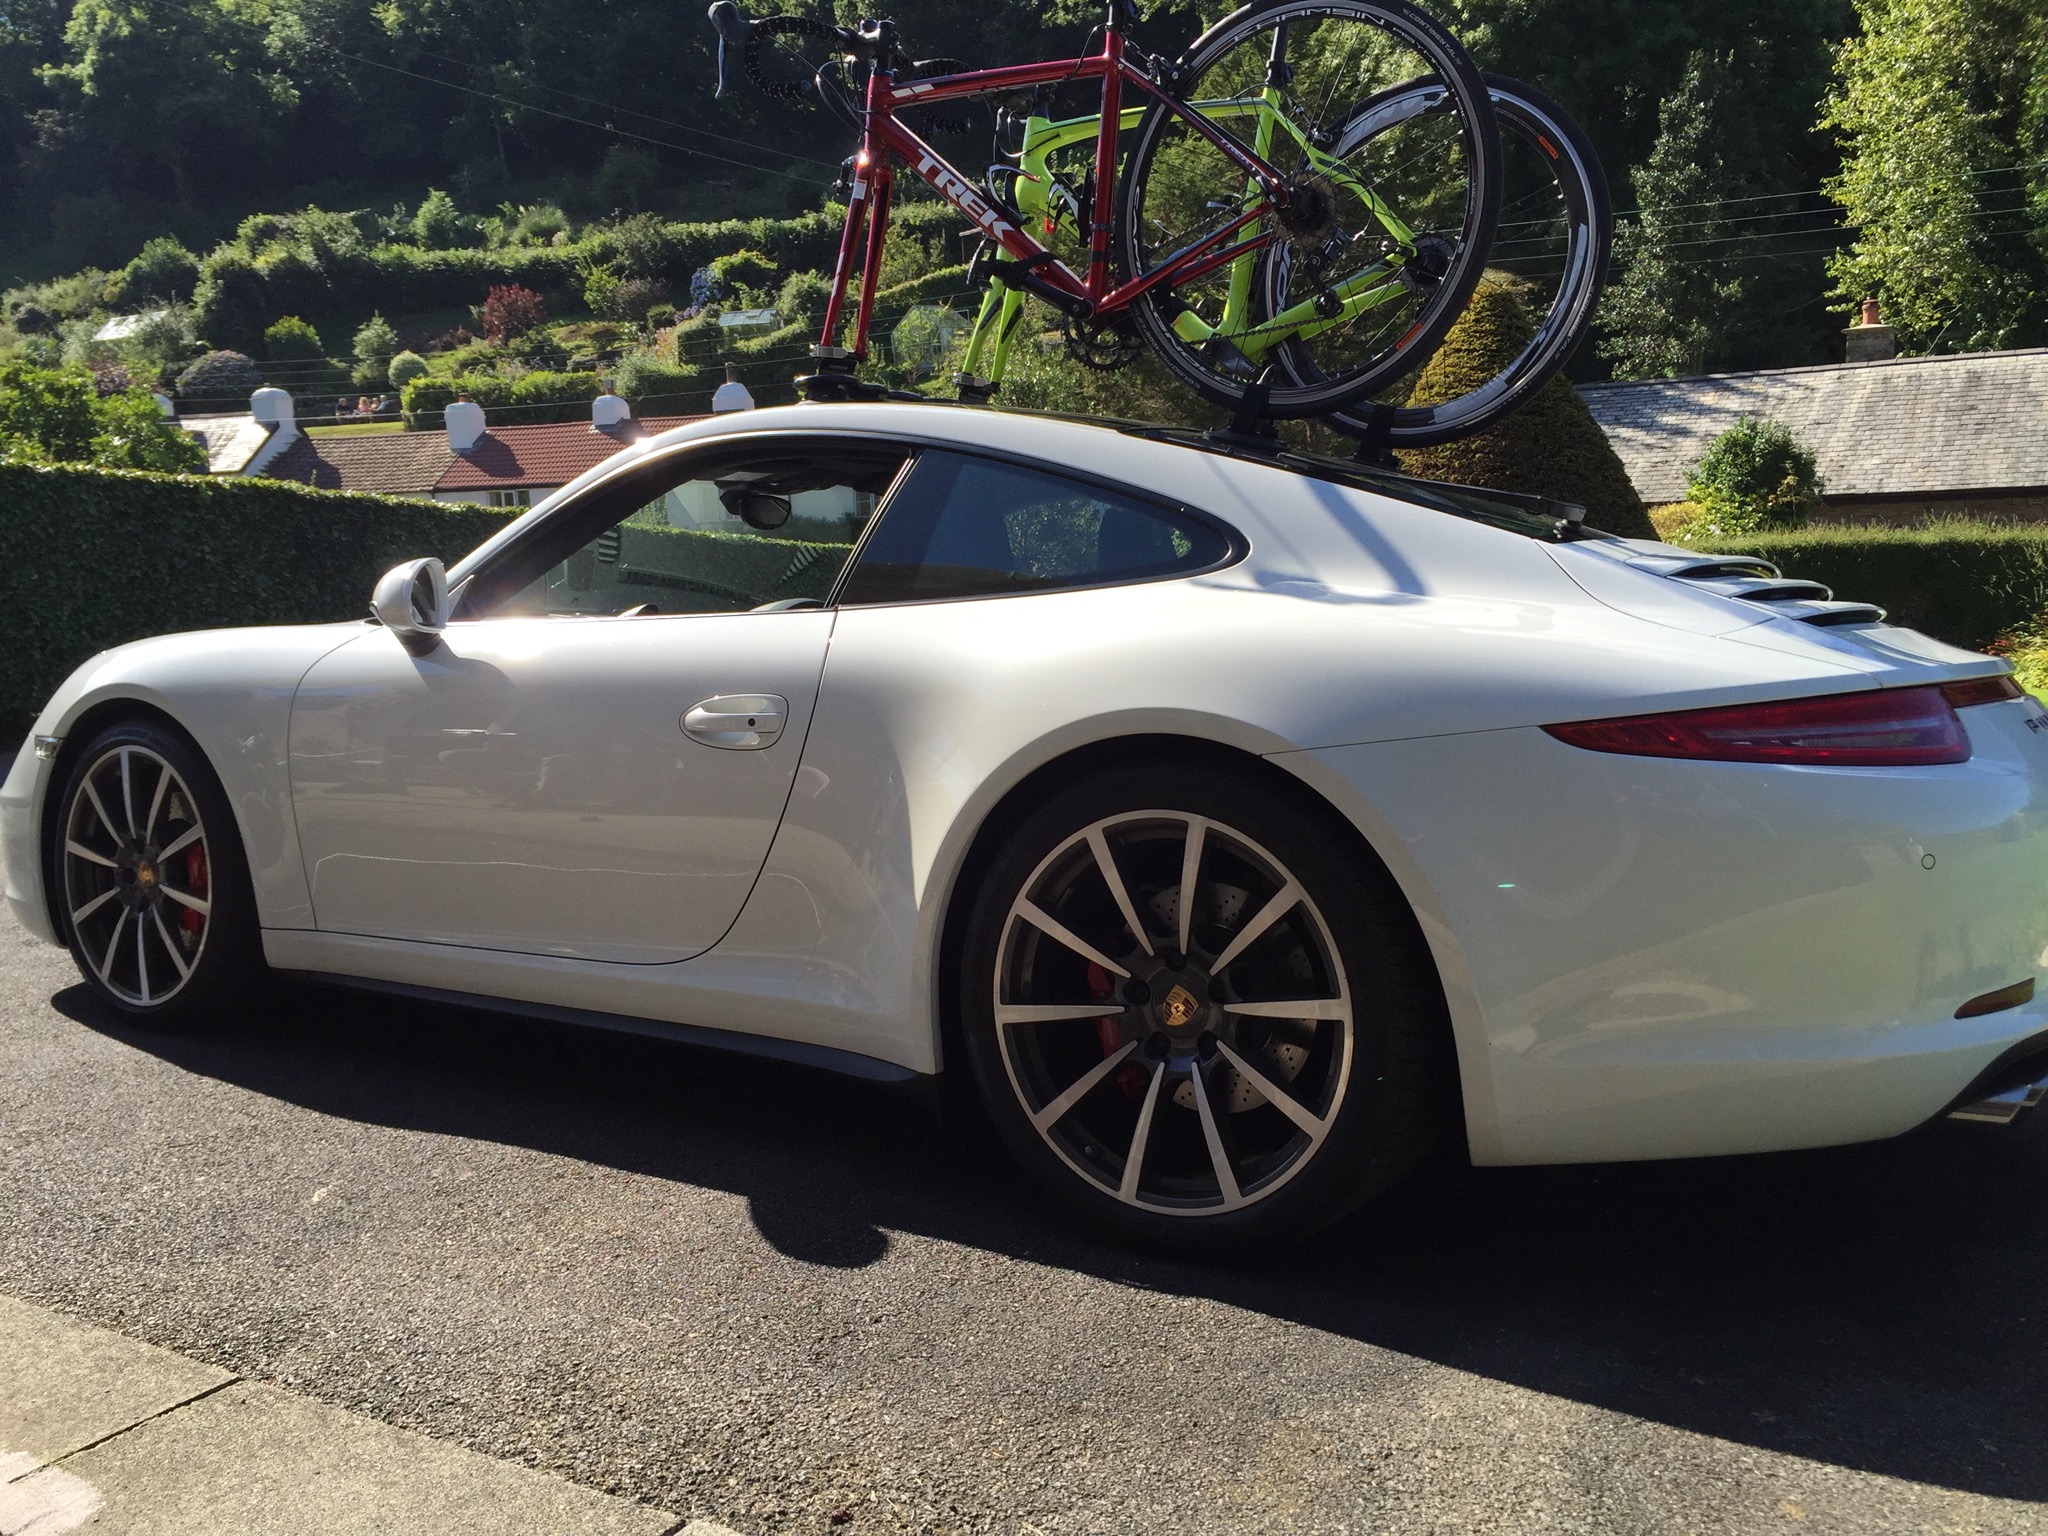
x=230, y=441
x=1913, y=426
x=548, y=455
x=386, y=463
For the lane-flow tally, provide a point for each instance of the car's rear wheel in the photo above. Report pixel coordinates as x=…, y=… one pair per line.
x=1206, y=1073
x=151, y=886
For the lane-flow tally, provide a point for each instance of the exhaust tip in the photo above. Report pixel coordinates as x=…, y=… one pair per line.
x=2003, y=1108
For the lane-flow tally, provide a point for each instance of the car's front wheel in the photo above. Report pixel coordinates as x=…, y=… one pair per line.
x=1199, y=1017
x=151, y=886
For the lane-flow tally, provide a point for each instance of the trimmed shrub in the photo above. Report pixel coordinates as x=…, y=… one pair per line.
x=657, y=388
x=510, y=310
x=1754, y=477
x=406, y=367
x=425, y=398
x=550, y=396
x=220, y=378
x=292, y=340
x=745, y=269
x=189, y=552
x=1550, y=447
x=1959, y=581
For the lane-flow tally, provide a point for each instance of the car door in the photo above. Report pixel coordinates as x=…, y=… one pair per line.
x=593, y=761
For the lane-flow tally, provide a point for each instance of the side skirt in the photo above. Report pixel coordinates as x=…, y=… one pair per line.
x=796, y=1052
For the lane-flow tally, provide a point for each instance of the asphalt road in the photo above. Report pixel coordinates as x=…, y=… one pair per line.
x=765, y=1296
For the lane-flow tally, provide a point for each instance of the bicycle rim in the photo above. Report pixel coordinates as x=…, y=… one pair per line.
x=1386, y=242
x=1555, y=236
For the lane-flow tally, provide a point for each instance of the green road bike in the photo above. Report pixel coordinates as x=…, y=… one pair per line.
x=1555, y=237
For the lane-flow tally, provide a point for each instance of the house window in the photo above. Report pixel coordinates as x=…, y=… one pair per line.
x=519, y=498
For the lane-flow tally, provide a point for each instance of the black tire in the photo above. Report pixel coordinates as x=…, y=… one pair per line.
x=1174, y=1072
x=1361, y=365
x=1549, y=132
x=149, y=883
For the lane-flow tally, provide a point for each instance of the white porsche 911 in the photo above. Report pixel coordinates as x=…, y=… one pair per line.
x=1238, y=823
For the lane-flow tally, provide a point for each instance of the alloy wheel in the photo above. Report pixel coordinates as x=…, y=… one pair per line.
x=137, y=875
x=1173, y=1013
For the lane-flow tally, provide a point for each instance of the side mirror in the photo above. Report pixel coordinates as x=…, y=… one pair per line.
x=411, y=600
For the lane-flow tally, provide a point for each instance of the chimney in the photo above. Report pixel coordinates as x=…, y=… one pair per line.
x=1872, y=340
x=732, y=395
x=609, y=413
x=271, y=407
x=465, y=424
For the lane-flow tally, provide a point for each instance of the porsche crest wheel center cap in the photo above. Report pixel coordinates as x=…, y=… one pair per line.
x=1180, y=1003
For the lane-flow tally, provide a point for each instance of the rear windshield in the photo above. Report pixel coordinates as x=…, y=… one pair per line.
x=1535, y=517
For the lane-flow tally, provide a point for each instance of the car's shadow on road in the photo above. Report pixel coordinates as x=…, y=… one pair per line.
x=1881, y=1308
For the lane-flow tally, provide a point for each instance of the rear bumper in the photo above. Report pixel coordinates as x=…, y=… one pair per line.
x=1649, y=958
x=20, y=805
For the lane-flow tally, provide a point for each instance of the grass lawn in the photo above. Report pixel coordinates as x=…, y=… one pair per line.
x=357, y=429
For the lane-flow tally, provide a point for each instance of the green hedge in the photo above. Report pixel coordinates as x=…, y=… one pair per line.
x=1963, y=582
x=540, y=396
x=94, y=558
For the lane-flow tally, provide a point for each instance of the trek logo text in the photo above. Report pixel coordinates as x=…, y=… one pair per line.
x=964, y=197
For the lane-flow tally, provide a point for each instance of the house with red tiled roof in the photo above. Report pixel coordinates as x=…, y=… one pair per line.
x=469, y=460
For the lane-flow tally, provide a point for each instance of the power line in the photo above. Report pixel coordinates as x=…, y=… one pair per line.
x=611, y=106
x=624, y=133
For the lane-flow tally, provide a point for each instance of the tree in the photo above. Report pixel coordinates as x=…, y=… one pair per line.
x=1695, y=289
x=1941, y=109
x=164, y=271
x=55, y=416
x=133, y=433
x=46, y=414
x=184, y=88
x=1550, y=447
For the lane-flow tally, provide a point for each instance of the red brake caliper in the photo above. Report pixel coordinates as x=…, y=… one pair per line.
x=195, y=881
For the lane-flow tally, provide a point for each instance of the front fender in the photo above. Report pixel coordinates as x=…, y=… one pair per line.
x=231, y=691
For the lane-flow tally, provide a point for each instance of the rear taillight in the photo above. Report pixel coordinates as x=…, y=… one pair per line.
x=1983, y=690
x=1889, y=728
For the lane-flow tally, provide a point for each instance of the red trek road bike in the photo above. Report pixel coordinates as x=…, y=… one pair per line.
x=1261, y=204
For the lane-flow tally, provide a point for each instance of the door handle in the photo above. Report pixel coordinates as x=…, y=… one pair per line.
x=738, y=722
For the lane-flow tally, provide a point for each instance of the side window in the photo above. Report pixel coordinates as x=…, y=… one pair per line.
x=967, y=527
x=761, y=527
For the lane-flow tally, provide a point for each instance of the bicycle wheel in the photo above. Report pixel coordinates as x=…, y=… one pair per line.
x=1385, y=243
x=1556, y=235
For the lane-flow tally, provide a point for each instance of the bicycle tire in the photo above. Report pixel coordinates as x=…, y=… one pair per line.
x=1423, y=35
x=1530, y=113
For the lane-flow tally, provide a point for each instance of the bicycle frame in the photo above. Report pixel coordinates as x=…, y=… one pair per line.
x=1003, y=305
x=1093, y=295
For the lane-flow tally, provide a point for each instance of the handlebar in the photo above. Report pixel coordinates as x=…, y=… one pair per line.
x=872, y=42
